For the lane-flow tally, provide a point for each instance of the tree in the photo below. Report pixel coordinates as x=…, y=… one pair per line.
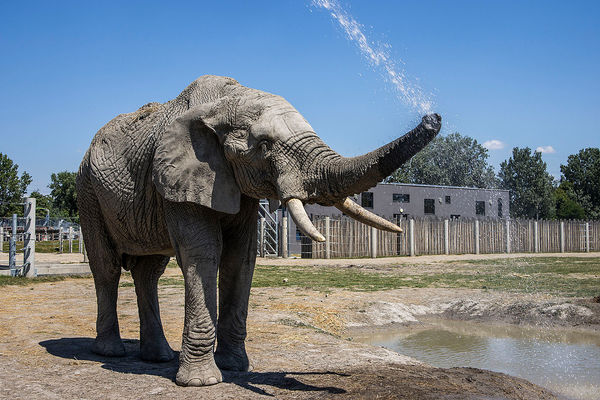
x=567, y=206
x=12, y=188
x=530, y=185
x=583, y=172
x=63, y=193
x=452, y=160
x=43, y=203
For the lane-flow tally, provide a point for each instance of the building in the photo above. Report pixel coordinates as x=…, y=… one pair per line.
x=402, y=200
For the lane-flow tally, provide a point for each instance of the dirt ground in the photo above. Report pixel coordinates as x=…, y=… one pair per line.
x=298, y=340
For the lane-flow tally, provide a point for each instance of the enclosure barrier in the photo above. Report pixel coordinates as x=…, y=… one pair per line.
x=347, y=238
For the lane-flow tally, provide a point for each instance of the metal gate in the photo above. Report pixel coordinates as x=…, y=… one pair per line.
x=268, y=231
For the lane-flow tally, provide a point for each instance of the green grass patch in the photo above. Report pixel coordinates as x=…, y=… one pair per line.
x=49, y=246
x=573, y=277
x=553, y=265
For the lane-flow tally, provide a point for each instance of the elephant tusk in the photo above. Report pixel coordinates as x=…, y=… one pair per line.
x=360, y=214
x=302, y=221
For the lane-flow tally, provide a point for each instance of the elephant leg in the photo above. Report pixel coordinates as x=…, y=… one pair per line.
x=105, y=265
x=145, y=272
x=196, y=237
x=235, y=279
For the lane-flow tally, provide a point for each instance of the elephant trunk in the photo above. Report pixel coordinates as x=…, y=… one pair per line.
x=348, y=176
x=342, y=177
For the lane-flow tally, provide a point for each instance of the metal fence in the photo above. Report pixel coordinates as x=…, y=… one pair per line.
x=347, y=238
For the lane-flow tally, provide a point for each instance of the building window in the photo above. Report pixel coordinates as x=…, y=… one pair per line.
x=401, y=198
x=480, y=208
x=367, y=199
x=499, y=208
x=298, y=235
x=429, y=206
x=448, y=200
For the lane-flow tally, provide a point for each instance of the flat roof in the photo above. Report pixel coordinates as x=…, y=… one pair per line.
x=440, y=186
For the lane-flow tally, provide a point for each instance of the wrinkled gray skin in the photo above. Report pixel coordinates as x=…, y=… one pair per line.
x=183, y=178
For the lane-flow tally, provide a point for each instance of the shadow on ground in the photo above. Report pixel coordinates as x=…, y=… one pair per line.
x=78, y=348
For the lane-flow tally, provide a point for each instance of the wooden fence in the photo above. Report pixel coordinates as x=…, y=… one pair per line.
x=346, y=237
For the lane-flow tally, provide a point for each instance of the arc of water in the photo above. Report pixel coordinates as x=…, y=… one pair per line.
x=378, y=57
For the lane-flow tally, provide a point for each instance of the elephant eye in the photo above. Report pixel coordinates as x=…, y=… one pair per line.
x=238, y=134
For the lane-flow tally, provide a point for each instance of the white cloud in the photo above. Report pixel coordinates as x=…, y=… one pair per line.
x=545, y=149
x=493, y=144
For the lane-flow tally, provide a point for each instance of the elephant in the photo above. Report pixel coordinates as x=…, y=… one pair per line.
x=184, y=179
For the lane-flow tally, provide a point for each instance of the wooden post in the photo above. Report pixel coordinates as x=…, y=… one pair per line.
x=12, y=248
x=262, y=237
x=508, y=236
x=373, y=242
x=587, y=237
x=411, y=234
x=29, y=269
x=327, y=238
x=85, y=256
x=80, y=241
x=562, y=236
x=70, y=239
x=476, y=236
x=536, y=237
x=446, y=237
x=284, y=237
x=60, y=239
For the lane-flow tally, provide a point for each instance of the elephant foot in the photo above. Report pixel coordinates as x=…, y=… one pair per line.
x=111, y=346
x=233, y=358
x=204, y=373
x=159, y=351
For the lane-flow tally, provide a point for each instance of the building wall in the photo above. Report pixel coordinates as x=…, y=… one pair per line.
x=462, y=204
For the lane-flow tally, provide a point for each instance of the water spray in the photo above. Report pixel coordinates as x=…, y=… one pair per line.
x=378, y=57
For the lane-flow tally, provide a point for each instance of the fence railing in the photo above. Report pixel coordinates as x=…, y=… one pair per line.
x=347, y=238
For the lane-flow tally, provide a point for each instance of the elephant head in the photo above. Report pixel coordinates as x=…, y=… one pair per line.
x=234, y=140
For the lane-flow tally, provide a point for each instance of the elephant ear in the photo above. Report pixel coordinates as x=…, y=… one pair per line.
x=190, y=166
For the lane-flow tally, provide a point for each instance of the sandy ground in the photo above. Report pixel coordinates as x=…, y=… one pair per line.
x=298, y=340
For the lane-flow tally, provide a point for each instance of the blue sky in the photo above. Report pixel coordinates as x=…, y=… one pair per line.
x=524, y=73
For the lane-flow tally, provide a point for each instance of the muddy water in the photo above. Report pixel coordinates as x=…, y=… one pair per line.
x=564, y=361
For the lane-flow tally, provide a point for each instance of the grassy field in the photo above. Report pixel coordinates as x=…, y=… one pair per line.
x=50, y=246
x=564, y=276
x=577, y=277
x=570, y=276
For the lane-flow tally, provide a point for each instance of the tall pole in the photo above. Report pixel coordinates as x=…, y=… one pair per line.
x=411, y=233
x=29, y=239
x=587, y=237
x=284, y=237
x=12, y=247
x=1, y=239
x=562, y=236
x=70, y=239
x=476, y=236
x=507, y=235
x=536, y=237
x=262, y=237
x=373, y=242
x=446, y=237
x=327, y=237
